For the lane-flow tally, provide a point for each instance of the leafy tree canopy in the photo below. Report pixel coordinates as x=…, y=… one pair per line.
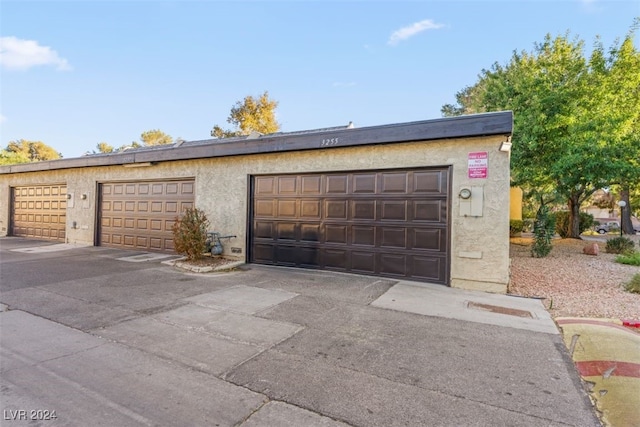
x=576, y=118
x=104, y=147
x=155, y=137
x=23, y=151
x=251, y=114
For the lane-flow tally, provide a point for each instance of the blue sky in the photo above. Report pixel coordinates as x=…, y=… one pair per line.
x=76, y=73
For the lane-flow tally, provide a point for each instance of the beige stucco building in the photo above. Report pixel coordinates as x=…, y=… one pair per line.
x=425, y=201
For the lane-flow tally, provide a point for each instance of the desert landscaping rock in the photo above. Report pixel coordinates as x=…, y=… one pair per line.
x=572, y=283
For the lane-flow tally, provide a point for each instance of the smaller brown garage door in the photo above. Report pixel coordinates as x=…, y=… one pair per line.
x=390, y=223
x=39, y=211
x=139, y=215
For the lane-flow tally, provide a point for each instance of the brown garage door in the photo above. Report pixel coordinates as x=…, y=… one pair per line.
x=389, y=223
x=39, y=211
x=139, y=215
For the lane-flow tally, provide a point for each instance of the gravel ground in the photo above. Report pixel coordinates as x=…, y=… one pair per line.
x=572, y=283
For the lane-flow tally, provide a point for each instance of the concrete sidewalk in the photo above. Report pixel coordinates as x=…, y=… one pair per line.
x=109, y=342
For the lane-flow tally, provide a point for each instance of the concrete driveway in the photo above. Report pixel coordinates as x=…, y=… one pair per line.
x=101, y=336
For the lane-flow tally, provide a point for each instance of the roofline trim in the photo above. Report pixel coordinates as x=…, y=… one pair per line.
x=474, y=125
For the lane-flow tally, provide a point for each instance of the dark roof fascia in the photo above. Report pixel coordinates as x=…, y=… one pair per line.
x=475, y=125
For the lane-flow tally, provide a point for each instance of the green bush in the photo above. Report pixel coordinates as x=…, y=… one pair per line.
x=190, y=233
x=631, y=258
x=562, y=223
x=515, y=227
x=543, y=230
x=634, y=284
x=619, y=245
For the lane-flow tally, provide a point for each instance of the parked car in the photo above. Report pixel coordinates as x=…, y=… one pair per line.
x=605, y=227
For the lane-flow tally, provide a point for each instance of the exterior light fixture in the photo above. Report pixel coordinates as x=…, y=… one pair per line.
x=505, y=146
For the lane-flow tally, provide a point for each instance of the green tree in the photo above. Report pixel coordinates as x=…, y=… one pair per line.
x=574, y=131
x=12, y=158
x=34, y=151
x=251, y=114
x=104, y=147
x=155, y=137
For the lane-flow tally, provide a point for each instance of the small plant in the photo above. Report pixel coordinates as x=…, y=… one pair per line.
x=543, y=230
x=619, y=245
x=190, y=233
x=634, y=284
x=515, y=227
x=630, y=258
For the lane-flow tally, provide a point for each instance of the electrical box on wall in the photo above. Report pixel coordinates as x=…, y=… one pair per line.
x=471, y=200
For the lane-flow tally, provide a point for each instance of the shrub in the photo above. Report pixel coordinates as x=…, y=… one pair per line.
x=631, y=258
x=515, y=227
x=543, y=230
x=190, y=233
x=562, y=223
x=619, y=245
x=634, y=284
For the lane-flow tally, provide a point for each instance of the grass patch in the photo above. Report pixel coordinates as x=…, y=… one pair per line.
x=629, y=258
x=633, y=285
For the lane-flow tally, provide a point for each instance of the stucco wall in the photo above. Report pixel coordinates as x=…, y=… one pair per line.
x=479, y=244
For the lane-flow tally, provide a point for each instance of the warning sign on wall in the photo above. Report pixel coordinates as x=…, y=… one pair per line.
x=478, y=164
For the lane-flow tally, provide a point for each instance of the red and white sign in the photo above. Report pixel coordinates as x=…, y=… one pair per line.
x=478, y=164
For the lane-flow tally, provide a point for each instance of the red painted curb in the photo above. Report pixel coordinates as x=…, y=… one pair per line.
x=607, y=368
x=631, y=323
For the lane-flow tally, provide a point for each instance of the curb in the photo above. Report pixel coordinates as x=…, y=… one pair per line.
x=180, y=264
x=631, y=323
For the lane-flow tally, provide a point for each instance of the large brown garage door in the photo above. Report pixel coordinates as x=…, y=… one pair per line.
x=139, y=215
x=389, y=223
x=39, y=211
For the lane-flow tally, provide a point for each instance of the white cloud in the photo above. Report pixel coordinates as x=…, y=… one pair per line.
x=411, y=30
x=18, y=54
x=2, y=118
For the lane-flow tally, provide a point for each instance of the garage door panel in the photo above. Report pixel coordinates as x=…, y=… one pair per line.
x=336, y=184
x=394, y=182
x=364, y=183
x=336, y=233
x=428, y=268
x=363, y=210
x=336, y=259
x=363, y=235
x=429, y=210
x=392, y=237
x=429, y=239
x=287, y=208
x=363, y=262
x=286, y=231
x=310, y=232
x=335, y=209
x=393, y=210
x=286, y=255
x=389, y=223
x=141, y=214
x=393, y=264
x=311, y=185
x=264, y=186
x=429, y=182
x=264, y=230
x=310, y=209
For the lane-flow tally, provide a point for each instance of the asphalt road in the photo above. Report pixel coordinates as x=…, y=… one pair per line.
x=100, y=336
